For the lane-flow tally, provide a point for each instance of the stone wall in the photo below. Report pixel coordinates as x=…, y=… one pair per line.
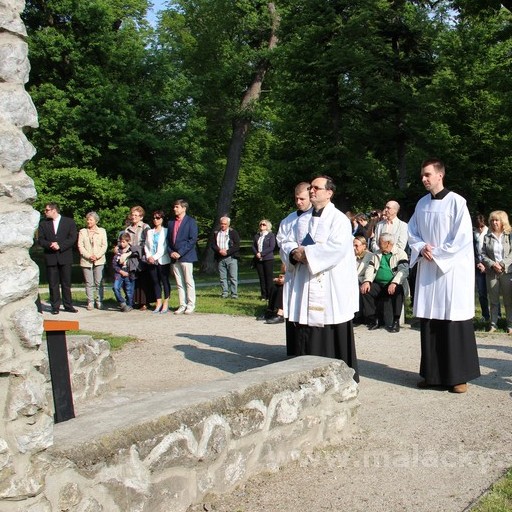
x=26, y=429
x=91, y=367
x=165, y=451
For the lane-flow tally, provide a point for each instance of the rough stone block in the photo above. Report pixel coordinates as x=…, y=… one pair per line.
x=14, y=63
x=18, y=186
x=17, y=229
x=248, y=420
x=173, y=493
x=16, y=105
x=10, y=20
x=28, y=325
x=286, y=408
x=15, y=149
x=34, y=434
x=18, y=279
x=26, y=395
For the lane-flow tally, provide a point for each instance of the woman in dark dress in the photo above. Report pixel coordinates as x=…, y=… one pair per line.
x=263, y=246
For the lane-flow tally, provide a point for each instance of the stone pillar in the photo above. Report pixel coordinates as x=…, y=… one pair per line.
x=26, y=428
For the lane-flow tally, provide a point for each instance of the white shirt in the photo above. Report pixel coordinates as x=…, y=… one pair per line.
x=56, y=223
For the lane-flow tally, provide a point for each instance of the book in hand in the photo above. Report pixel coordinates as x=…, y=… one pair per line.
x=308, y=240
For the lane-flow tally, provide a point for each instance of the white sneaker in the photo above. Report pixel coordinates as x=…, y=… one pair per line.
x=189, y=310
x=180, y=310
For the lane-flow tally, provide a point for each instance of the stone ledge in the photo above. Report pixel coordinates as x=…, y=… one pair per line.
x=175, y=447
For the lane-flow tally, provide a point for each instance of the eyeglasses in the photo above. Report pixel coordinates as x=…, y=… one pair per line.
x=314, y=187
x=156, y=217
x=48, y=209
x=262, y=224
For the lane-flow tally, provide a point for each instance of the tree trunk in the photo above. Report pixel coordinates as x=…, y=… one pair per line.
x=241, y=126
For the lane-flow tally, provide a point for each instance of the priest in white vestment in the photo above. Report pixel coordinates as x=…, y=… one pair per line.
x=286, y=241
x=323, y=290
x=441, y=242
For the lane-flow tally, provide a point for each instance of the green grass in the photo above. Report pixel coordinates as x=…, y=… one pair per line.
x=208, y=300
x=499, y=497
x=116, y=342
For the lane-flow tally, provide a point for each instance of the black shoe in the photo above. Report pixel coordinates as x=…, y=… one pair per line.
x=71, y=310
x=261, y=318
x=373, y=325
x=395, y=327
x=275, y=320
x=55, y=311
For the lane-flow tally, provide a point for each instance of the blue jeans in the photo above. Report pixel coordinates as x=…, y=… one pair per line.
x=228, y=273
x=128, y=285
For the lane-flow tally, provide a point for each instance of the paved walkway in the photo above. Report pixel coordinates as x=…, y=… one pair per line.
x=417, y=450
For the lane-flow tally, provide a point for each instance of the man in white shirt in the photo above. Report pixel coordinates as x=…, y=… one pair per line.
x=226, y=248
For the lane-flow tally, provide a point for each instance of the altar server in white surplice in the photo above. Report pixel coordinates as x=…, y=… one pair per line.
x=323, y=293
x=441, y=241
x=287, y=241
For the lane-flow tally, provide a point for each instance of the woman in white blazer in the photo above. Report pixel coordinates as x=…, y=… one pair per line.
x=159, y=262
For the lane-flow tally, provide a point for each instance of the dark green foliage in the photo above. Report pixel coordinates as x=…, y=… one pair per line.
x=363, y=91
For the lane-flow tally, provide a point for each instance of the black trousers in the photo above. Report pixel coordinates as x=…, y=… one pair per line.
x=59, y=276
x=265, y=271
x=160, y=278
x=378, y=303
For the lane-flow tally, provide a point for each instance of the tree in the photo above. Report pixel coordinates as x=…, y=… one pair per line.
x=225, y=51
x=352, y=75
x=102, y=92
x=470, y=102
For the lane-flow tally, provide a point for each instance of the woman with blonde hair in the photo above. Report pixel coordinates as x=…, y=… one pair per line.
x=497, y=259
x=263, y=245
x=92, y=245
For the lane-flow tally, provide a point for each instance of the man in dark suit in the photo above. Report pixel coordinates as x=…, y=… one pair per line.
x=57, y=235
x=181, y=240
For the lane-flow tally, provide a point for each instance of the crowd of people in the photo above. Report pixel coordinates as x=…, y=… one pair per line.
x=142, y=259
x=338, y=270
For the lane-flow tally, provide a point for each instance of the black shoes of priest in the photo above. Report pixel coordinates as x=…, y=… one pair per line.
x=375, y=324
x=278, y=319
x=395, y=327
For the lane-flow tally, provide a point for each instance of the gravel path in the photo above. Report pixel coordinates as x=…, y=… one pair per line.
x=417, y=450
